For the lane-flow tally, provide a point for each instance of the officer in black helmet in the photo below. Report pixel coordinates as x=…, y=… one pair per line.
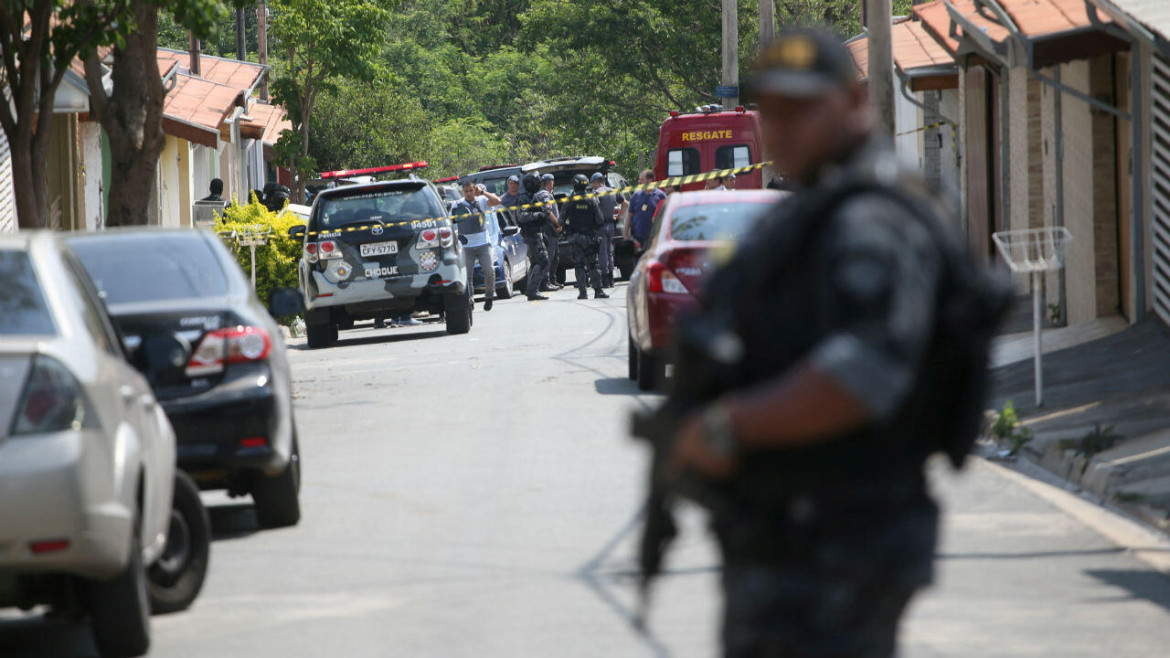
x=532, y=222
x=583, y=222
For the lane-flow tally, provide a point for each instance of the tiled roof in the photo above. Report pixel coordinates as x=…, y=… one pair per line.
x=242, y=76
x=271, y=118
x=200, y=102
x=1034, y=18
x=167, y=60
x=913, y=49
x=859, y=49
x=1037, y=18
x=934, y=15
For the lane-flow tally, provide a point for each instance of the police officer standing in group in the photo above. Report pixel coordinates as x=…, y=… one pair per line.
x=552, y=231
x=532, y=222
x=583, y=220
x=829, y=313
x=609, y=212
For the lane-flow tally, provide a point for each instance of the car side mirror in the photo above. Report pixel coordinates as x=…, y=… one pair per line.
x=284, y=302
x=511, y=230
x=297, y=232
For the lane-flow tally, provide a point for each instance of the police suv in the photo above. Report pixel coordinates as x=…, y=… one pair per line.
x=380, y=250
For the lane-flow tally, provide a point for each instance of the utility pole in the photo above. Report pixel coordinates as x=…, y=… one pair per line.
x=262, y=45
x=241, y=44
x=731, y=50
x=881, y=62
x=767, y=22
x=193, y=64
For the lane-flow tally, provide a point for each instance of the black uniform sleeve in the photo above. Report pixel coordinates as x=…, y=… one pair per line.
x=883, y=274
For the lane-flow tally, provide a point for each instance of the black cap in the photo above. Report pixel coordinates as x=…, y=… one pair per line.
x=803, y=62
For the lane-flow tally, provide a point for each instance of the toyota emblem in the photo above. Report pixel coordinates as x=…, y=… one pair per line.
x=376, y=229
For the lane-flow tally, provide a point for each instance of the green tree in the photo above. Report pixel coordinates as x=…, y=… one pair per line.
x=464, y=145
x=131, y=112
x=39, y=41
x=322, y=40
x=367, y=125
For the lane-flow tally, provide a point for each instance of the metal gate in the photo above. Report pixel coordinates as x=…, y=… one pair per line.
x=1160, y=184
x=7, y=200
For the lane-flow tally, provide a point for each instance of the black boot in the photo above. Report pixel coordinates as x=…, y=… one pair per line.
x=583, y=294
x=600, y=294
x=487, y=304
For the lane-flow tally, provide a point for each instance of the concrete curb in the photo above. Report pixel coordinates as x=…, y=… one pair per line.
x=1133, y=477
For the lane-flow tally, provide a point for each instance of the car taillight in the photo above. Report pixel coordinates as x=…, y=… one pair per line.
x=311, y=252
x=428, y=238
x=446, y=237
x=232, y=345
x=659, y=278
x=52, y=401
x=327, y=249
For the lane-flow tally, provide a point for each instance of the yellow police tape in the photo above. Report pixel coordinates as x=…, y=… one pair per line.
x=917, y=130
x=669, y=182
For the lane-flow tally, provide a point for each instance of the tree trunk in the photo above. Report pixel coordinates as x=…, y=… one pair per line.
x=132, y=118
x=30, y=186
x=299, y=181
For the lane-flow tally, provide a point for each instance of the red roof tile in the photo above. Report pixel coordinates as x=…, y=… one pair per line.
x=201, y=102
x=913, y=49
x=273, y=119
x=1034, y=18
x=859, y=49
x=242, y=76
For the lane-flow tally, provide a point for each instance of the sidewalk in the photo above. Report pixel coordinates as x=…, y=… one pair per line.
x=1122, y=382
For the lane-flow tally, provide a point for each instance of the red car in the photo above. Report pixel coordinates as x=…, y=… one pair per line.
x=669, y=275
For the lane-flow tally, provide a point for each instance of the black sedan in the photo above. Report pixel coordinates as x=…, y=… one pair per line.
x=228, y=390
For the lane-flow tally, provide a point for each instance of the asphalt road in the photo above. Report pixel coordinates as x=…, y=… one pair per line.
x=477, y=496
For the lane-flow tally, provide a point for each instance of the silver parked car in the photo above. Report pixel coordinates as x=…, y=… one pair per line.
x=87, y=456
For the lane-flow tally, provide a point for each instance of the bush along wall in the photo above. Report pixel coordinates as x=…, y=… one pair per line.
x=276, y=261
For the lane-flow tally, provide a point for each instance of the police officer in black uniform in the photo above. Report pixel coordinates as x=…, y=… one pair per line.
x=532, y=222
x=552, y=235
x=829, y=311
x=583, y=222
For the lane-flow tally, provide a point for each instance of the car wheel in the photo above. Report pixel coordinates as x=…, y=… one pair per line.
x=321, y=335
x=632, y=357
x=506, y=290
x=650, y=371
x=119, y=608
x=458, y=313
x=277, y=498
x=177, y=576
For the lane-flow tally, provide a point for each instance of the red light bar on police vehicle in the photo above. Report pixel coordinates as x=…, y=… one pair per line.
x=346, y=173
x=449, y=179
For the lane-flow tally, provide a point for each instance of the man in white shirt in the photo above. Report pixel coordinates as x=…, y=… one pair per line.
x=473, y=233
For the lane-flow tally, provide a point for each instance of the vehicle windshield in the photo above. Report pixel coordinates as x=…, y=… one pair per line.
x=379, y=204
x=715, y=221
x=180, y=266
x=496, y=184
x=22, y=303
